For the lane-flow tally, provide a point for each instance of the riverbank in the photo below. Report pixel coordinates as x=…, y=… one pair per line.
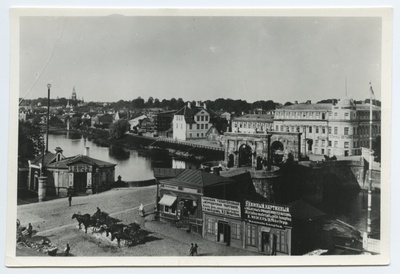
x=184, y=150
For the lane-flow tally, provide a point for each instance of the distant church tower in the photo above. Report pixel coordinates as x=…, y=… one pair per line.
x=73, y=94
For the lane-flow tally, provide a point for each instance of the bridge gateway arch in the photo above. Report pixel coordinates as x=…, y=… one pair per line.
x=257, y=149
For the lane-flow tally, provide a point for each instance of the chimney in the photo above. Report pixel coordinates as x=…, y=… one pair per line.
x=205, y=106
x=86, y=151
x=189, y=105
x=296, y=102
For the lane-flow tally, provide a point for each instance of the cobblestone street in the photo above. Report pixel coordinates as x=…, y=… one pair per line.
x=52, y=220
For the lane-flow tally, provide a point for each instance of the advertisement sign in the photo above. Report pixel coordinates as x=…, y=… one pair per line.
x=218, y=206
x=268, y=214
x=84, y=168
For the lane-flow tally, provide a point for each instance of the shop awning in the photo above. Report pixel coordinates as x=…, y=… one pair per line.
x=167, y=200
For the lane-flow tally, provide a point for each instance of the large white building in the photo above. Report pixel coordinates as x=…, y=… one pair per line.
x=192, y=122
x=340, y=129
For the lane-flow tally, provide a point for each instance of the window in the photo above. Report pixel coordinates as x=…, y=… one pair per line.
x=298, y=129
x=197, y=135
x=210, y=226
x=310, y=129
x=346, y=131
x=235, y=231
x=323, y=143
x=335, y=143
x=354, y=131
x=336, y=130
x=329, y=143
x=316, y=143
x=202, y=126
x=277, y=128
x=292, y=129
x=206, y=118
x=190, y=126
x=251, y=235
x=347, y=116
x=202, y=118
x=198, y=126
x=323, y=116
x=206, y=126
x=317, y=129
x=281, y=128
x=346, y=144
x=202, y=134
x=335, y=114
x=190, y=134
x=329, y=130
x=323, y=130
x=177, y=125
x=197, y=118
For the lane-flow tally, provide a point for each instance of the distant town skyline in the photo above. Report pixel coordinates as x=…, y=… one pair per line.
x=282, y=59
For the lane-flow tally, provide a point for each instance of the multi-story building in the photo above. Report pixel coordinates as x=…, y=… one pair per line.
x=192, y=122
x=253, y=123
x=340, y=129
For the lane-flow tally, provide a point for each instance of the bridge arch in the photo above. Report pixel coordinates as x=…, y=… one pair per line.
x=245, y=155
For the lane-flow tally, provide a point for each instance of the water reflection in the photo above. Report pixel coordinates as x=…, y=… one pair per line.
x=119, y=152
x=132, y=165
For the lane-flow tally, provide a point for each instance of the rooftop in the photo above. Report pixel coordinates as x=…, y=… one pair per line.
x=197, y=178
x=80, y=158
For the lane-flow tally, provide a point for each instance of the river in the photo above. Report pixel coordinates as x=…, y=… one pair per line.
x=133, y=165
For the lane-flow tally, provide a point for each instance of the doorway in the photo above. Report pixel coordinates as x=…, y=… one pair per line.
x=80, y=182
x=224, y=233
x=265, y=242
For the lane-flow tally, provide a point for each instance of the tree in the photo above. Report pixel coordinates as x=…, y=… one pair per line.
x=30, y=140
x=288, y=104
x=157, y=103
x=150, y=102
x=138, y=102
x=75, y=122
x=37, y=119
x=119, y=128
x=55, y=122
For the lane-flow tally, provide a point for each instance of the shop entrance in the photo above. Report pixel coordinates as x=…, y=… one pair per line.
x=80, y=182
x=265, y=242
x=224, y=233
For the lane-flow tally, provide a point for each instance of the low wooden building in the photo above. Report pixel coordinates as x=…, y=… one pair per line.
x=80, y=174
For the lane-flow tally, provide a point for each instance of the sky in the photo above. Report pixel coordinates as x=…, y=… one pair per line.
x=116, y=57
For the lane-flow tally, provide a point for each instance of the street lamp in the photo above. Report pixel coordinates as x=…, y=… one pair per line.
x=48, y=116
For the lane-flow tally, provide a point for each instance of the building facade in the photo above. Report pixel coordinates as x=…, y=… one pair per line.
x=340, y=129
x=192, y=122
x=253, y=123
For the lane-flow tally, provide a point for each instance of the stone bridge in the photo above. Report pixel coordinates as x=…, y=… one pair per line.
x=243, y=149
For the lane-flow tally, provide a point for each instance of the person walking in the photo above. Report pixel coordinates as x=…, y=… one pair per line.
x=29, y=230
x=66, y=250
x=70, y=199
x=191, y=251
x=195, y=249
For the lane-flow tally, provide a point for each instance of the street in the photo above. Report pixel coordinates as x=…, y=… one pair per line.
x=52, y=220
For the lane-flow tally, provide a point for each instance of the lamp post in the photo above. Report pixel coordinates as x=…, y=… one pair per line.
x=48, y=117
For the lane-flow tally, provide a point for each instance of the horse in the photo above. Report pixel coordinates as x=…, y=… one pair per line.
x=83, y=219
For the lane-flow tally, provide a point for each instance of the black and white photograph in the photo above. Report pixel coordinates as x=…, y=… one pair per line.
x=191, y=137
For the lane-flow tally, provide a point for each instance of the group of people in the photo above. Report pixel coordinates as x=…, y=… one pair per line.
x=193, y=249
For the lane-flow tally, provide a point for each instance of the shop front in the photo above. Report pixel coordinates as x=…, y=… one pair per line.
x=268, y=228
x=222, y=221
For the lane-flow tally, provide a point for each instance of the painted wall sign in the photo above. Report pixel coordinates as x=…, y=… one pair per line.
x=223, y=207
x=268, y=215
x=80, y=168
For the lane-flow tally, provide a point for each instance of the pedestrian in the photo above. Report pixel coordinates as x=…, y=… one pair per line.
x=66, y=250
x=70, y=199
x=191, y=251
x=29, y=230
x=195, y=248
x=141, y=210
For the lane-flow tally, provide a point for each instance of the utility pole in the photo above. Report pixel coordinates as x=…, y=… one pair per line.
x=48, y=117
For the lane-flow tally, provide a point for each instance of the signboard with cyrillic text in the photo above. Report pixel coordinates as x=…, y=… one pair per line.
x=267, y=214
x=222, y=207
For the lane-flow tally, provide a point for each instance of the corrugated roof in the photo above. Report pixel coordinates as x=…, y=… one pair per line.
x=80, y=158
x=197, y=178
x=301, y=210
